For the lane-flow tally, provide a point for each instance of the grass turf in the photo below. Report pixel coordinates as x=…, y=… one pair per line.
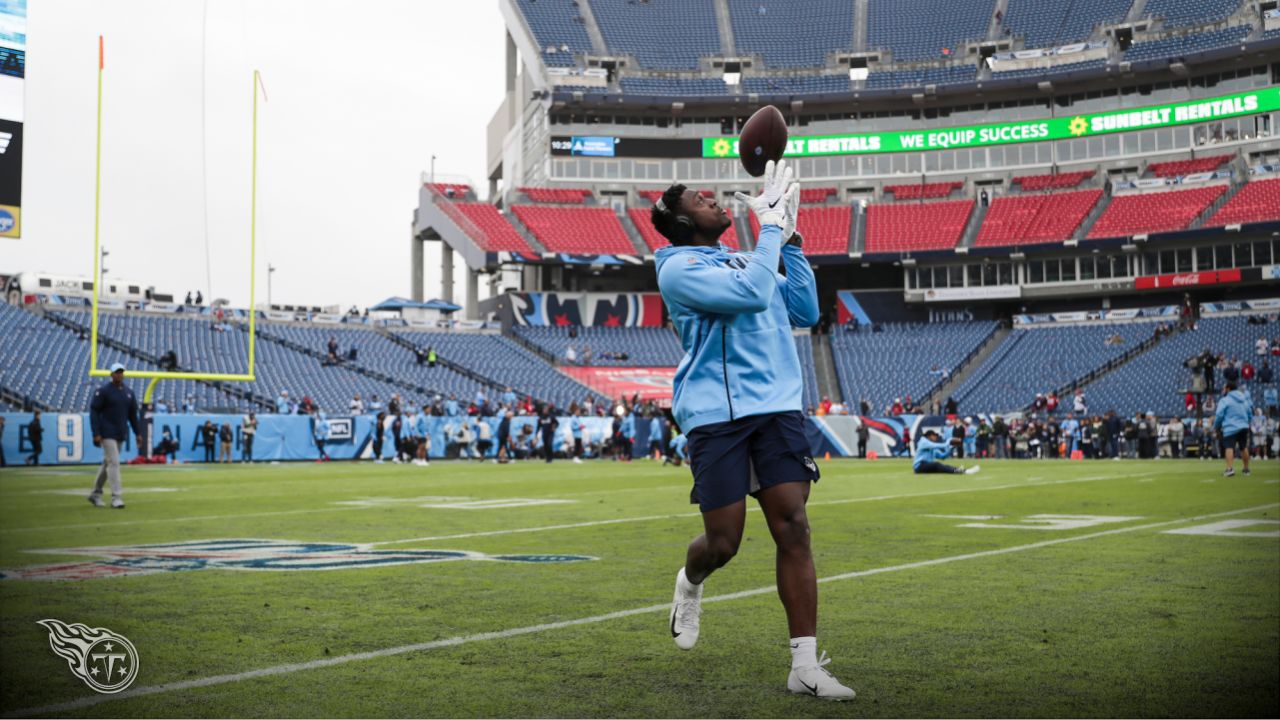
x=1136, y=622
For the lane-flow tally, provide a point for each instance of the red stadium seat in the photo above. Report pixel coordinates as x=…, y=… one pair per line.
x=1035, y=219
x=1060, y=181
x=561, y=196
x=825, y=229
x=894, y=228
x=654, y=239
x=922, y=191
x=576, y=230
x=814, y=196
x=487, y=227
x=1256, y=202
x=1188, y=167
x=1154, y=212
x=653, y=195
x=459, y=190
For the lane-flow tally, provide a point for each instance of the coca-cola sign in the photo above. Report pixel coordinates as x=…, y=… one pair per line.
x=1209, y=277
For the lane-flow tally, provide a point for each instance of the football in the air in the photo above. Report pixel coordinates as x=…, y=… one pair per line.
x=763, y=138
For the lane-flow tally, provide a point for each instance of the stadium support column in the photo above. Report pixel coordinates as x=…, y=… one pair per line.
x=473, y=294
x=446, y=272
x=415, y=264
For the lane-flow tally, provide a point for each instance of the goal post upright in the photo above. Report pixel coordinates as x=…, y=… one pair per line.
x=157, y=375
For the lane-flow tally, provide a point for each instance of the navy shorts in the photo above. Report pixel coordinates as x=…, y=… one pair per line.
x=731, y=460
x=1239, y=441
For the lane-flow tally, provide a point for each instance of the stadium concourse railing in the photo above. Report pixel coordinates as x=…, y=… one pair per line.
x=229, y=388
x=928, y=397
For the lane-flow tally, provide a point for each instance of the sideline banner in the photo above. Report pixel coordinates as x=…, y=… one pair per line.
x=650, y=383
x=67, y=439
x=1059, y=128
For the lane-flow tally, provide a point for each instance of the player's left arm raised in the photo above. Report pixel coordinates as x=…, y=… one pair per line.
x=800, y=289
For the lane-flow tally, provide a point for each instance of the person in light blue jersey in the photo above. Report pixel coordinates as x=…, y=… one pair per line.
x=1231, y=422
x=931, y=450
x=737, y=394
x=655, y=436
x=320, y=428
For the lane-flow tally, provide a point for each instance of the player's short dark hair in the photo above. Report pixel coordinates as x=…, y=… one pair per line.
x=1230, y=387
x=664, y=222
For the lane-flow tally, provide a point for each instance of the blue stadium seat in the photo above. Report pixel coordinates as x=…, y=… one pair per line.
x=950, y=75
x=1055, y=70
x=1181, y=13
x=1049, y=23
x=1156, y=380
x=661, y=34
x=792, y=34
x=796, y=84
x=556, y=24
x=922, y=29
x=644, y=346
x=896, y=362
x=672, y=86
x=1041, y=359
x=1183, y=45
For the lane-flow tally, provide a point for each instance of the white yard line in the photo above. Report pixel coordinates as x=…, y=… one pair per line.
x=92, y=700
x=750, y=508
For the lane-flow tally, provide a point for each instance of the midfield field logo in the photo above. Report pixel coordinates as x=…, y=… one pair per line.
x=105, y=661
x=246, y=554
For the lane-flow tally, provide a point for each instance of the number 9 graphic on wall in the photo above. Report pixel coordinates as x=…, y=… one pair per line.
x=70, y=438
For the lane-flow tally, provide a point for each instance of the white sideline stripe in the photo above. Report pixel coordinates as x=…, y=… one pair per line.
x=145, y=690
x=750, y=508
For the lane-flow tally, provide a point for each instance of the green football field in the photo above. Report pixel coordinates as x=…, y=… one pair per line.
x=1036, y=589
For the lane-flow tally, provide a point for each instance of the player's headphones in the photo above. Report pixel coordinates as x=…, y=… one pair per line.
x=681, y=227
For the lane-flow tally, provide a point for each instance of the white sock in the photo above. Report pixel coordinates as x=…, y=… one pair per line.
x=687, y=588
x=804, y=651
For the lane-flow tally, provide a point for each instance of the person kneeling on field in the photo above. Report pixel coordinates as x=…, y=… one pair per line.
x=930, y=450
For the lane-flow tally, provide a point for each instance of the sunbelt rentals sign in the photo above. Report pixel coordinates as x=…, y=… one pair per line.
x=1059, y=128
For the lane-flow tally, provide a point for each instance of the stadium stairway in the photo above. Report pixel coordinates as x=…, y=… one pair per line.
x=976, y=218
x=860, y=11
x=20, y=402
x=532, y=347
x=443, y=362
x=995, y=31
x=972, y=364
x=1086, y=225
x=1215, y=206
x=728, y=45
x=824, y=368
x=633, y=233
x=858, y=231
x=1135, y=12
x=525, y=232
x=1097, y=374
x=592, y=27
x=368, y=372
x=233, y=389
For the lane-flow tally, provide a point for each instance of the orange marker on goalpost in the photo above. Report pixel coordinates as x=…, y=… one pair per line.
x=158, y=375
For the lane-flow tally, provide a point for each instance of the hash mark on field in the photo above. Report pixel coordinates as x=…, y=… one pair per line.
x=289, y=668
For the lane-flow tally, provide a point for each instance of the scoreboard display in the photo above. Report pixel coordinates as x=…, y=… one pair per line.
x=13, y=70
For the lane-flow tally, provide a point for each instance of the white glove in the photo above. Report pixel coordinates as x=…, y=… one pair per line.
x=792, y=203
x=768, y=205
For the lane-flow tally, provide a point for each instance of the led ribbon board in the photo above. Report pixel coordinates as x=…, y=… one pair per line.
x=1059, y=128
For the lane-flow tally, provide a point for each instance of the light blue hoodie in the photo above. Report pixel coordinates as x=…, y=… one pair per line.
x=929, y=451
x=1234, y=412
x=734, y=313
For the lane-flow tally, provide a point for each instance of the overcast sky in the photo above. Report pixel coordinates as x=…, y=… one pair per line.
x=360, y=95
